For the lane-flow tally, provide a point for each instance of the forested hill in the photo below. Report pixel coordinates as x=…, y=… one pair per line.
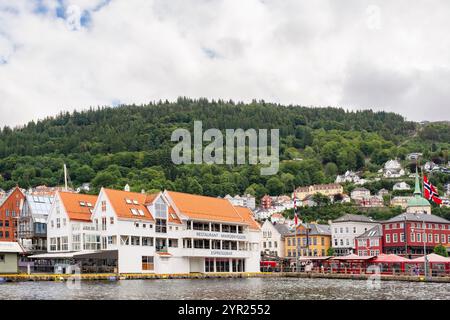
x=131, y=144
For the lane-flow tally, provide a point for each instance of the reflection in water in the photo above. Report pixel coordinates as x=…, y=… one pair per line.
x=254, y=288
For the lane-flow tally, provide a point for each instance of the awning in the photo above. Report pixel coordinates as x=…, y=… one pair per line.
x=105, y=254
x=352, y=257
x=432, y=257
x=313, y=258
x=55, y=255
x=389, y=258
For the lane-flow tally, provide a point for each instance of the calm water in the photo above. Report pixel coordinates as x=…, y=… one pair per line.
x=254, y=288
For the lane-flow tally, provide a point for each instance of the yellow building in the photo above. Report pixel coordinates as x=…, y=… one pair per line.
x=313, y=240
x=325, y=189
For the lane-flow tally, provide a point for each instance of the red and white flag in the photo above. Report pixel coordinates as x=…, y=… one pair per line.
x=430, y=191
x=295, y=210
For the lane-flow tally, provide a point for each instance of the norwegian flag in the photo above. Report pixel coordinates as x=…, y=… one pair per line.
x=430, y=191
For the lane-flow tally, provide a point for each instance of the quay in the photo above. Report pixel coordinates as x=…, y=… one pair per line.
x=225, y=275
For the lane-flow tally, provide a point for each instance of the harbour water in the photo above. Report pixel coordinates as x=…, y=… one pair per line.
x=225, y=289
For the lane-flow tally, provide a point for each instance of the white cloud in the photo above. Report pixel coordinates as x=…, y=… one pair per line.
x=364, y=54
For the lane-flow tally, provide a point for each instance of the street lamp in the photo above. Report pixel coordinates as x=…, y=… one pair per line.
x=424, y=238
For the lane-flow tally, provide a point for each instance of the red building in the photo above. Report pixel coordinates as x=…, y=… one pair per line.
x=266, y=202
x=370, y=243
x=421, y=230
x=9, y=214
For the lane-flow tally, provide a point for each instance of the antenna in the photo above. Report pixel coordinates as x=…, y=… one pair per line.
x=65, y=178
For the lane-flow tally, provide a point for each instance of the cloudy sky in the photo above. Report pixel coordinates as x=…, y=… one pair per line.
x=71, y=54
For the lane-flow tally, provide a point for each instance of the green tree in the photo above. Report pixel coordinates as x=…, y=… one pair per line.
x=441, y=250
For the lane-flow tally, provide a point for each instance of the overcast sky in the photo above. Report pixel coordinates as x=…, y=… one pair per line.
x=71, y=54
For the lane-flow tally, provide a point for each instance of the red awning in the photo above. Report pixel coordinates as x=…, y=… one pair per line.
x=352, y=257
x=389, y=258
x=432, y=257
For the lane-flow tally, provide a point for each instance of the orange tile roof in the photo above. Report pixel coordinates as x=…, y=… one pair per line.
x=75, y=211
x=122, y=209
x=173, y=218
x=247, y=215
x=206, y=208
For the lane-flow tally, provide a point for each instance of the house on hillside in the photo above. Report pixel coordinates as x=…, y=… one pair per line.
x=401, y=186
x=393, y=169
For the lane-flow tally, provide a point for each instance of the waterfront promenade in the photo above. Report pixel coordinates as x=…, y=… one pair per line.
x=310, y=275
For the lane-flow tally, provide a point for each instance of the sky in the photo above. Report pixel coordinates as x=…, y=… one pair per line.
x=58, y=55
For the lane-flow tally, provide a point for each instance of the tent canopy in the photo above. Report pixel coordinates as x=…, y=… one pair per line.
x=389, y=258
x=353, y=257
x=432, y=257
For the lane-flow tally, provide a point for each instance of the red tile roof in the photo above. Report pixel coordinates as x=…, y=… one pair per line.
x=123, y=202
x=74, y=209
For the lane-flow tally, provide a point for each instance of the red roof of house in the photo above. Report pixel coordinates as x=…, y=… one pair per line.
x=124, y=203
x=73, y=203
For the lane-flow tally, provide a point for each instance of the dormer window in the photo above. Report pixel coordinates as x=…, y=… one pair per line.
x=141, y=212
x=82, y=203
x=134, y=212
x=135, y=202
x=128, y=201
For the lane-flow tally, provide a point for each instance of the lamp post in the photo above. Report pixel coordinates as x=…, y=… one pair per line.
x=424, y=239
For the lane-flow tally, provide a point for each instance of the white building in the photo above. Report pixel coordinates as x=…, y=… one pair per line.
x=242, y=201
x=272, y=242
x=174, y=232
x=402, y=186
x=344, y=230
x=393, y=169
x=349, y=176
x=69, y=224
x=360, y=193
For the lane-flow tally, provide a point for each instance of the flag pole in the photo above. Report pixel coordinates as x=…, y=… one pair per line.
x=295, y=231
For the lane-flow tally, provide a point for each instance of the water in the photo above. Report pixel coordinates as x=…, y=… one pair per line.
x=225, y=289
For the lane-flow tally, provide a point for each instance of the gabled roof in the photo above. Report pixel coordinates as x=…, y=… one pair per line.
x=206, y=208
x=74, y=209
x=282, y=228
x=247, y=215
x=374, y=232
x=417, y=217
x=354, y=218
x=124, y=203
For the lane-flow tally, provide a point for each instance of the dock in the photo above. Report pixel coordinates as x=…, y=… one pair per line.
x=118, y=277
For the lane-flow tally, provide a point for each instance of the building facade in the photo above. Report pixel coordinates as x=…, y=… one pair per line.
x=370, y=243
x=325, y=189
x=312, y=240
x=32, y=231
x=272, y=242
x=345, y=229
x=9, y=257
x=9, y=214
x=172, y=232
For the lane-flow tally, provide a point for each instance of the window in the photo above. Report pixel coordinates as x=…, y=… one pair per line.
x=200, y=226
x=346, y=230
x=430, y=238
x=141, y=212
x=128, y=201
x=111, y=220
x=58, y=223
x=64, y=222
x=112, y=240
x=91, y=242
x=443, y=238
x=173, y=243
x=222, y=265
x=135, y=241
x=2, y=258
x=395, y=237
x=52, y=244
x=103, y=206
x=436, y=238
x=388, y=238
x=76, y=242
x=6, y=223
x=412, y=236
x=147, y=263
x=209, y=265
x=215, y=227
x=134, y=211
x=419, y=237
x=160, y=209
x=402, y=237
x=104, y=223
x=161, y=226
x=147, y=242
